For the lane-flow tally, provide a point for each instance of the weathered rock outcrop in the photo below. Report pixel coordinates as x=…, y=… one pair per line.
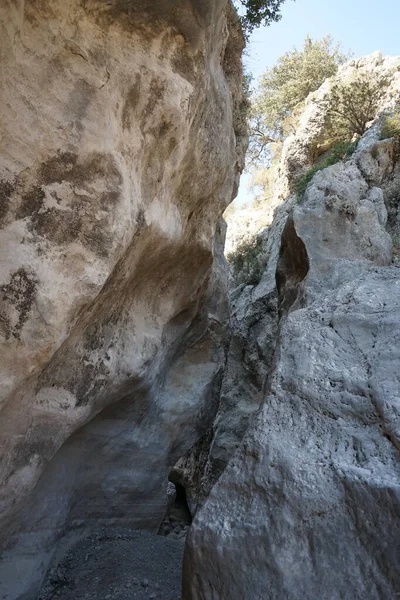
x=121, y=145
x=309, y=505
x=309, y=139
x=253, y=331
x=255, y=307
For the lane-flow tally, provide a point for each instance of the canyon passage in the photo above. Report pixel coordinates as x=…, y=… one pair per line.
x=171, y=425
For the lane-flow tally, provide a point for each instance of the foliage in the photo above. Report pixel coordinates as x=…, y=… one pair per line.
x=353, y=104
x=391, y=126
x=263, y=180
x=248, y=261
x=258, y=12
x=340, y=151
x=245, y=104
x=286, y=85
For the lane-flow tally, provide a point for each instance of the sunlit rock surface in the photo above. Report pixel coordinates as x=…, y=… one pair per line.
x=121, y=144
x=309, y=504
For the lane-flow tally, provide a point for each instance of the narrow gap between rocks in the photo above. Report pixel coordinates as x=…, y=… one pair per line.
x=177, y=520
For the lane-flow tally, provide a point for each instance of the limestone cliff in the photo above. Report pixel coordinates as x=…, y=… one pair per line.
x=122, y=140
x=308, y=505
x=121, y=143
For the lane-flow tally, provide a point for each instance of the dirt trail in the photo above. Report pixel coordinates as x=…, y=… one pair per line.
x=118, y=564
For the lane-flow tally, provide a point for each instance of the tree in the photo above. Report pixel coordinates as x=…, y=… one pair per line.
x=258, y=12
x=284, y=87
x=353, y=104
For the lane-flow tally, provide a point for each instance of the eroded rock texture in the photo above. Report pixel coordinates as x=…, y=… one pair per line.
x=121, y=145
x=309, y=505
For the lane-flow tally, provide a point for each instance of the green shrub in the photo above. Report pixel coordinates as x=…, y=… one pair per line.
x=340, y=151
x=391, y=126
x=258, y=12
x=278, y=104
x=353, y=104
x=248, y=261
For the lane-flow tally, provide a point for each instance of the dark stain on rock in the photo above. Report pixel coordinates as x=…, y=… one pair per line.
x=164, y=128
x=98, y=240
x=88, y=370
x=90, y=384
x=61, y=227
x=62, y=167
x=131, y=102
x=80, y=99
x=77, y=222
x=66, y=166
x=17, y=295
x=156, y=92
x=6, y=190
x=31, y=202
x=147, y=17
x=107, y=199
x=184, y=64
x=38, y=443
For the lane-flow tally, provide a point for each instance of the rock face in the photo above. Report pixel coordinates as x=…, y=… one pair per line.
x=113, y=319
x=255, y=304
x=254, y=329
x=308, y=139
x=309, y=505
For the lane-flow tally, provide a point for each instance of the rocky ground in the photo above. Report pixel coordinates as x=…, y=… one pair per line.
x=121, y=564
x=118, y=564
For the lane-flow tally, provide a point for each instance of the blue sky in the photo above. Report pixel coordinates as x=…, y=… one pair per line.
x=362, y=26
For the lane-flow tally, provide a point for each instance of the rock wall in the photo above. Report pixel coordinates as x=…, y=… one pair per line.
x=260, y=293
x=310, y=140
x=121, y=144
x=308, y=506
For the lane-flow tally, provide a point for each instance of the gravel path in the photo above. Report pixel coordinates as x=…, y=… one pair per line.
x=118, y=564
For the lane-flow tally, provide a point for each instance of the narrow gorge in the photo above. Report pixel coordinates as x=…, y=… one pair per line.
x=155, y=402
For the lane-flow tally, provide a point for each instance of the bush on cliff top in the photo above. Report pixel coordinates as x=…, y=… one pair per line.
x=258, y=12
x=353, y=104
x=284, y=87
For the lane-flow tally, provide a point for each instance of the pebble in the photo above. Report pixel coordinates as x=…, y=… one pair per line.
x=145, y=583
x=153, y=595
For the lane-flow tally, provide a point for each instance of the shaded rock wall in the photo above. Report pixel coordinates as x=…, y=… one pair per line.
x=121, y=145
x=254, y=317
